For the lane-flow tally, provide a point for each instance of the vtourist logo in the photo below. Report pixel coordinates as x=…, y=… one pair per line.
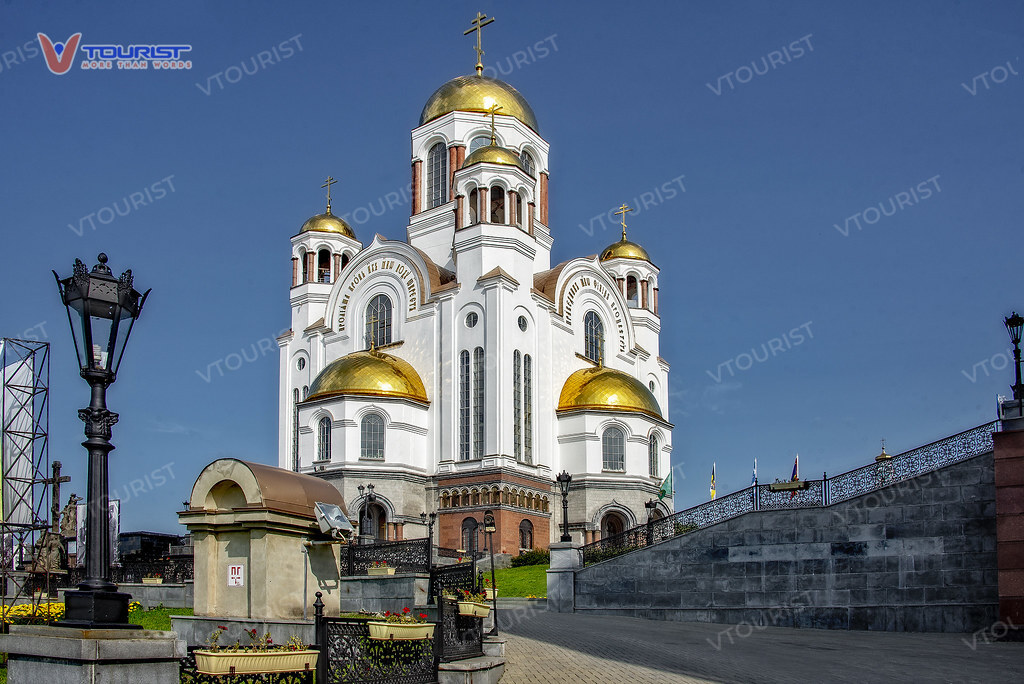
x=60, y=57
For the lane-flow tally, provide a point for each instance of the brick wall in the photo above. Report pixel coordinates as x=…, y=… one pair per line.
x=506, y=521
x=916, y=556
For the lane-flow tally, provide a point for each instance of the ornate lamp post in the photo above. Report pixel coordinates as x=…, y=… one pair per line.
x=489, y=529
x=430, y=533
x=1015, y=325
x=365, y=535
x=103, y=304
x=564, y=478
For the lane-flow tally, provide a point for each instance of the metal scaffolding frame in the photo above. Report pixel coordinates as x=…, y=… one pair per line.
x=24, y=468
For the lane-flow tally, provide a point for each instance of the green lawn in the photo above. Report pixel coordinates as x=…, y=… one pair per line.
x=157, y=618
x=529, y=580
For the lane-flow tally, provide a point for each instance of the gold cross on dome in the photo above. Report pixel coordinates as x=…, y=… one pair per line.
x=327, y=184
x=478, y=26
x=373, y=330
x=622, y=210
x=493, y=108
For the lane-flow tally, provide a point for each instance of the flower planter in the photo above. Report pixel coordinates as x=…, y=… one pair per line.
x=398, y=631
x=380, y=571
x=152, y=580
x=474, y=609
x=490, y=593
x=241, y=662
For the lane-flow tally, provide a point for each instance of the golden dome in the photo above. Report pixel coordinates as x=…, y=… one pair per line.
x=327, y=223
x=369, y=373
x=495, y=155
x=606, y=389
x=624, y=249
x=477, y=93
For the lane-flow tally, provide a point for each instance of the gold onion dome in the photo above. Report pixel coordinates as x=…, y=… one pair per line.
x=495, y=155
x=624, y=249
x=478, y=93
x=369, y=373
x=607, y=389
x=327, y=223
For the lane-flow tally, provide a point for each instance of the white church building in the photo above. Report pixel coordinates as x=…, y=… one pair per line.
x=459, y=371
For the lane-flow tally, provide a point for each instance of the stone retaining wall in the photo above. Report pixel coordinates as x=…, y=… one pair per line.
x=915, y=556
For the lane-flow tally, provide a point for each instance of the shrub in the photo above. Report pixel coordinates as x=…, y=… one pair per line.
x=534, y=557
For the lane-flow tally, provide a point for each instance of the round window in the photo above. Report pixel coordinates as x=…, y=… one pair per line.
x=522, y=323
x=301, y=363
x=471, y=319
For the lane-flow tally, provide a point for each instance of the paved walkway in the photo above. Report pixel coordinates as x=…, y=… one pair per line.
x=553, y=647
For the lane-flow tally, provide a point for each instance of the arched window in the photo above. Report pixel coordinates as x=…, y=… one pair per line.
x=437, y=176
x=478, y=142
x=526, y=535
x=446, y=500
x=632, y=292
x=517, y=405
x=345, y=258
x=295, y=429
x=611, y=525
x=593, y=334
x=305, y=265
x=323, y=266
x=652, y=456
x=378, y=321
x=497, y=204
x=528, y=163
x=464, y=405
x=324, y=439
x=613, y=449
x=474, y=207
x=519, y=210
x=371, y=437
x=478, y=402
x=527, y=408
x=469, y=535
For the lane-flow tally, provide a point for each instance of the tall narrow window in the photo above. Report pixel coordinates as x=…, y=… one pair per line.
x=652, y=456
x=437, y=175
x=474, y=209
x=613, y=447
x=464, y=405
x=295, y=429
x=497, y=204
x=517, y=405
x=519, y=210
x=323, y=266
x=478, y=402
x=378, y=321
x=528, y=163
x=528, y=408
x=324, y=440
x=593, y=333
x=526, y=535
x=371, y=437
x=305, y=266
x=632, y=293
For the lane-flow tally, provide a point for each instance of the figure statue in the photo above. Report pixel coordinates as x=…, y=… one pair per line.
x=49, y=553
x=69, y=518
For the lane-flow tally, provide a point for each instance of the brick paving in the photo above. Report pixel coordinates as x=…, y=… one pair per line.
x=553, y=647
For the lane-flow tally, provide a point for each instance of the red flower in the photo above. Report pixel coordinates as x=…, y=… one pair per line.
x=405, y=610
x=423, y=616
x=386, y=613
x=222, y=627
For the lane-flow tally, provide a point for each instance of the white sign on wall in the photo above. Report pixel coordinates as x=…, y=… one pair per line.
x=235, y=575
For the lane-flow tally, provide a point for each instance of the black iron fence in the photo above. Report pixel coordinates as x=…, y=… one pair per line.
x=448, y=580
x=409, y=555
x=190, y=675
x=810, y=493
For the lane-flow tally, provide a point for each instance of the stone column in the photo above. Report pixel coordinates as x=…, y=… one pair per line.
x=544, y=198
x=565, y=561
x=643, y=294
x=337, y=268
x=459, y=209
x=453, y=163
x=1009, y=481
x=295, y=271
x=655, y=300
x=417, y=173
x=484, y=213
x=310, y=267
x=511, y=197
x=529, y=218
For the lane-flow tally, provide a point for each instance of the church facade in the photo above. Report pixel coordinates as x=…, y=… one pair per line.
x=459, y=371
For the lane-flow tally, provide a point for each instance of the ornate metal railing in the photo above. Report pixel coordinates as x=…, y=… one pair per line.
x=173, y=571
x=410, y=555
x=461, y=637
x=348, y=654
x=450, y=579
x=817, y=493
x=189, y=675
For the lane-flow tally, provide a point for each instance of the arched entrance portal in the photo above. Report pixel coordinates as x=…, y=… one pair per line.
x=376, y=521
x=469, y=535
x=612, y=524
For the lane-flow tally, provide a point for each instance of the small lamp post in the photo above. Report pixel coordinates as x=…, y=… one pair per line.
x=430, y=532
x=650, y=505
x=1015, y=325
x=489, y=529
x=103, y=304
x=564, y=478
x=365, y=535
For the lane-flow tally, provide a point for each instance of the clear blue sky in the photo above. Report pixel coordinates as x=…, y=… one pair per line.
x=857, y=105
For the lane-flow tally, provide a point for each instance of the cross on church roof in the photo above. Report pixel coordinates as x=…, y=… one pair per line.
x=622, y=210
x=478, y=26
x=327, y=184
x=493, y=108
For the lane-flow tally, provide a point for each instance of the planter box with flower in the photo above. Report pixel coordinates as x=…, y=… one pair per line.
x=473, y=605
x=260, y=656
x=153, y=579
x=402, y=626
x=380, y=568
x=490, y=591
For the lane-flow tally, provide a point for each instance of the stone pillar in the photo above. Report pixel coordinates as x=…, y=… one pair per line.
x=565, y=561
x=310, y=267
x=544, y=198
x=1009, y=480
x=460, y=156
x=417, y=174
x=295, y=271
x=643, y=294
x=511, y=207
x=484, y=212
x=337, y=268
x=655, y=300
x=460, y=202
x=621, y=282
x=529, y=218
x=453, y=163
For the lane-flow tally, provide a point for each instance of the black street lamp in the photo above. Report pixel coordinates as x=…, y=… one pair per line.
x=103, y=303
x=489, y=529
x=1015, y=325
x=430, y=532
x=564, y=478
x=365, y=535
